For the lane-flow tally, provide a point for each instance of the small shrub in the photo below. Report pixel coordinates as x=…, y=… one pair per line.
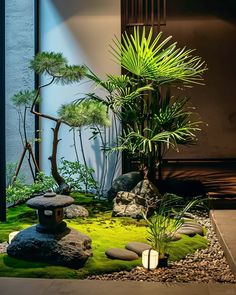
x=78, y=176
x=19, y=191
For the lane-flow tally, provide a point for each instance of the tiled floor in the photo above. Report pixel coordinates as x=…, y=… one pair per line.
x=76, y=287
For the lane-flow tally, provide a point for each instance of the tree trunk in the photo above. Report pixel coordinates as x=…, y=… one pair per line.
x=63, y=186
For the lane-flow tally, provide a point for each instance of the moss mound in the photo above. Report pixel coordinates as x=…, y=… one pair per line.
x=105, y=232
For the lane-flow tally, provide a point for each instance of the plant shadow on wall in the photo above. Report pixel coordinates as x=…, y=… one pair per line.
x=89, y=112
x=153, y=120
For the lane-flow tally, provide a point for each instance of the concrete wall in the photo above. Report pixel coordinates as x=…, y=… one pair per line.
x=19, y=51
x=82, y=31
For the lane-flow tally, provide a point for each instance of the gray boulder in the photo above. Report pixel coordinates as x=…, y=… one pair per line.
x=70, y=248
x=74, y=211
x=125, y=182
x=142, y=199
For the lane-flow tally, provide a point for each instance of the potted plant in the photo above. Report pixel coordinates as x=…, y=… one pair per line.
x=164, y=223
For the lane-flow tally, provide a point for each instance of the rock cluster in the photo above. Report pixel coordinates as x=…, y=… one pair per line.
x=204, y=266
x=141, y=199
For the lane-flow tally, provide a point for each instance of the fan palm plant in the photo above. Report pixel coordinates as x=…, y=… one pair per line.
x=159, y=121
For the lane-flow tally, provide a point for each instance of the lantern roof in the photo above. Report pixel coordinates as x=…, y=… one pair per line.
x=50, y=200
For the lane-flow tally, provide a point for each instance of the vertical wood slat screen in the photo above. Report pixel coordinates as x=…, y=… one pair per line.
x=143, y=13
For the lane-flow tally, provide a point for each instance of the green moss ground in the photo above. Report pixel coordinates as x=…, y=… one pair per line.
x=105, y=232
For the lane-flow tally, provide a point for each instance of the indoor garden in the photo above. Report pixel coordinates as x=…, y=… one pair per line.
x=77, y=223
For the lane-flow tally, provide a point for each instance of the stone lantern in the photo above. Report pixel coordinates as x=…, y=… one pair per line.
x=51, y=240
x=50, y=211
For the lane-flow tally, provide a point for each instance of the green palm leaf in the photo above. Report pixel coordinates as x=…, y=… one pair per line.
x=155, y=60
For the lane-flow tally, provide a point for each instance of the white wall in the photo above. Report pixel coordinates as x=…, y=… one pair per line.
x=82, y=30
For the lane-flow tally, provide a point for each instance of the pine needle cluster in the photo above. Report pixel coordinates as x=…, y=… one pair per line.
x=85, y=113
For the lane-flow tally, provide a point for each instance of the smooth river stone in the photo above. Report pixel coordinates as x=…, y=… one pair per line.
x=137, y=247
x=121, y=254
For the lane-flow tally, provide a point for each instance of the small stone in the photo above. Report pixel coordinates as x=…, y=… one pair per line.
x=74, y=211
x=121, y=254
x=137, y=247
x=3, y=247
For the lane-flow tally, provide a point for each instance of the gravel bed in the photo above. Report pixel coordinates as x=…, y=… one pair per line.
x=204, y=266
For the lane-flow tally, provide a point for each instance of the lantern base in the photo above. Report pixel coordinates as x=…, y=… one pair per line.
x=58, y=228
x=70, y=248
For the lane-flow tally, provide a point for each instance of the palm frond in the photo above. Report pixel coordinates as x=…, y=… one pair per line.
x=150, y=58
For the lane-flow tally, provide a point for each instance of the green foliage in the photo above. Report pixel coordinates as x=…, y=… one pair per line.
x=105, y=232
x=153, y=121
x=85, y=113
x=24, y=98
x=161, y=227
x=78, y=176
x=56, y=66
x=70, y=74
x=173, y=124
x=48, y=63
x=20, y=192
x=10, y=172
x=150, y=59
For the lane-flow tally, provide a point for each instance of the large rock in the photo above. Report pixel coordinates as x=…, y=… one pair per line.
x=74, y=211
x=142, y=199
x=146, y=190
x=126, y=205
x=125, y=182
x=70, y=248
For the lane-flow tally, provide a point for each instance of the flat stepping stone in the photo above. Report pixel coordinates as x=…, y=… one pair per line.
x=190, y=230
x=191, y=223
x=187, y=231
x=121, y=254
x=137, y=247
x=176, y=237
